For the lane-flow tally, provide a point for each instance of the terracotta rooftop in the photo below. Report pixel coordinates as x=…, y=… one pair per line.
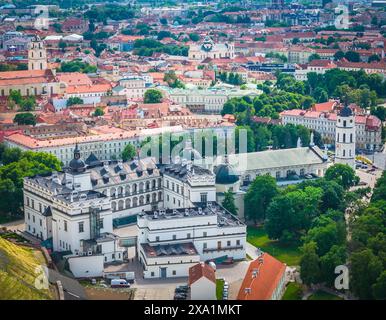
x=263, y=285
x=201, y=270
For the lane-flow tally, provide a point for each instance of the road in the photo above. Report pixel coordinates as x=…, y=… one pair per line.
x=369, y=178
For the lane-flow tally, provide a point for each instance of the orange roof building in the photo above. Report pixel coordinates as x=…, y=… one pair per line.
x=264, y=280
x=202, y=282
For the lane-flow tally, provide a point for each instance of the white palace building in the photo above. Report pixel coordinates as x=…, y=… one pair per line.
x=175, y=206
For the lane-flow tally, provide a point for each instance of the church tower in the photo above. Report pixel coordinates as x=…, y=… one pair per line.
x=345, y=137
x=37, y=55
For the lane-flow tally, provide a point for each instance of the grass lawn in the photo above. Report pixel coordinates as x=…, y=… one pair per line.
x=17, y=273
x=293, y=292
x=322, y=295
x=289, y=254
x=219, y=288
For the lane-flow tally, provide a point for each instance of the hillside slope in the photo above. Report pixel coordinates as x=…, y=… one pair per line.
x=18, y=273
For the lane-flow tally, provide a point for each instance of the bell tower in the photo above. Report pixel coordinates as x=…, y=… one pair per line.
x=37, y=55
x=345, y=137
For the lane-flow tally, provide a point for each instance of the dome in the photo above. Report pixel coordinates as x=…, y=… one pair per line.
x=345, y=112
x=188, y=153
x=77, y=165
x=226, y=174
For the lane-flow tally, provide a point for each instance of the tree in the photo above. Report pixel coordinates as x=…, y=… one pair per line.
x=380, y=112
x=194, y=37
x=73, y=101
x=152, y=96
x=366, y=268
x=15, y=96
x=258, y=197
x=326, y=236
x=379, y=288
x=289, y=215
x=28, y=104
x=343, y=174
x=11, y=155
x=62, y=46
x=16, y=166
x=335, y=257
x=352, y=56
x=310, y=264
x=314, y=56
x=229, y=202
x=339, y=55
x=128, y=152
x=98, y=112
x=374, y=57
x=379, y=192
x=172, y=80
x=25, y=119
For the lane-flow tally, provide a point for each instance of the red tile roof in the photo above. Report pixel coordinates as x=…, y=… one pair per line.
x=263, y=285
x=201, y=270
x=325, y=106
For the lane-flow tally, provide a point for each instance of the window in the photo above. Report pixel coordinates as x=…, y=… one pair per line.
x=228, y=243
x=156, y=238
x=174, y=272
x=205, y=245
x=33, y=218
x=81, y=227
x=65, y=225
x=174, y=237
x=205, y=234
x=204, y=197
x=188, y=235
x=152, y=274
x=40, y=222
x=101, y=223
x=238, y=242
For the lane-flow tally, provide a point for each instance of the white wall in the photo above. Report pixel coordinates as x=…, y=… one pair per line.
x=203, y=289
x=86, y=266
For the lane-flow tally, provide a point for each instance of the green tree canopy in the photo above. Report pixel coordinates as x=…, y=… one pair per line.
x=342, y=174
x=229, y=202
x=258, y=197
x=128, y=152
x=25, y=118
x=152, y=96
